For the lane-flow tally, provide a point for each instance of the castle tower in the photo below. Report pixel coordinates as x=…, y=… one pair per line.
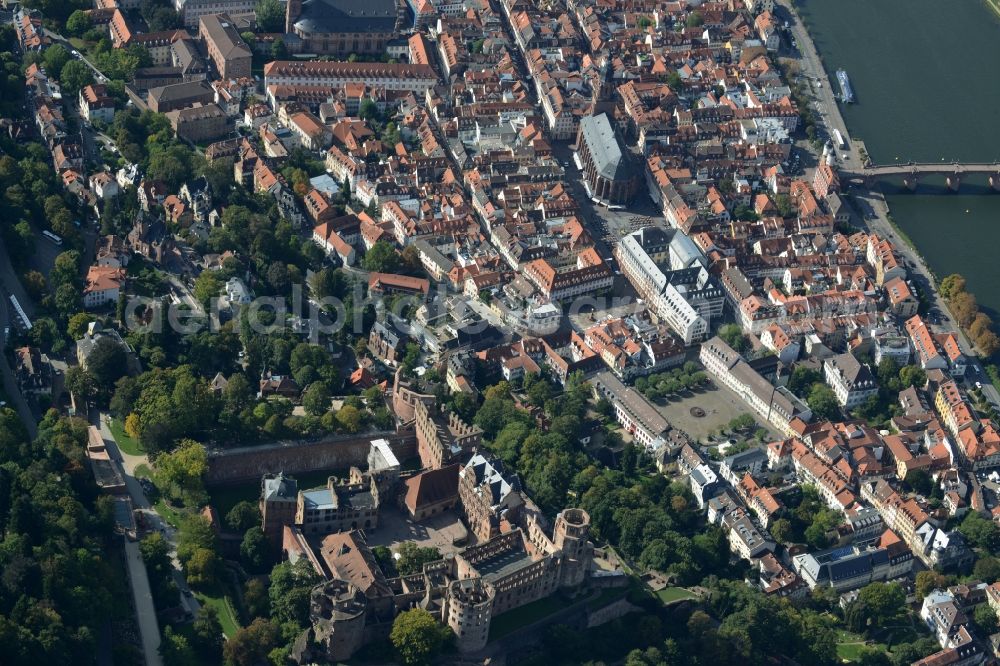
x=337, y=609
x=570, y=535
x=469, y=611
x=278, y=498
x=293, y=11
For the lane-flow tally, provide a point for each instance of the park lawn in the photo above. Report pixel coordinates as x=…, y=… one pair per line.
x=143, y=472
x=217, y=598
x=852, y=651
x=128, y=445
x=670, y=594
x=525, y=615
x=168, y=514
x=850, y=645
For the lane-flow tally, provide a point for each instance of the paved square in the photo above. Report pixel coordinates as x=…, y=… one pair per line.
x=441, y=531
x=720, y=404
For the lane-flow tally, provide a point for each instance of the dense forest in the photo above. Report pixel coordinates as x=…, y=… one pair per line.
x=61, y=582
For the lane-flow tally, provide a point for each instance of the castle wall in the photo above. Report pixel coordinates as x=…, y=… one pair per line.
x=250, y=463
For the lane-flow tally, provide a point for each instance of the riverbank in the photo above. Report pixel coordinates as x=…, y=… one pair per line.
x=994, y=5
x=824, y=23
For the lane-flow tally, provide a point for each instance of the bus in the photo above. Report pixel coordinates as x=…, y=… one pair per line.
x=25, y=322
x=839, y=139
x=52, y=237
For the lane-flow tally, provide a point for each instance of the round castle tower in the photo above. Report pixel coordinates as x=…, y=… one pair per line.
x=469, y=611
x=570, y=535
x=338, y=610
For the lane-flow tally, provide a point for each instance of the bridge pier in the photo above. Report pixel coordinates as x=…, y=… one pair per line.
x=910, y=182
x=995, y=181
x=954, y=181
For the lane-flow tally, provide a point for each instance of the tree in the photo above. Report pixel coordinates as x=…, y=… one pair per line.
x=802, y=379
x=963, y=305
x=202, y=568
x=784, y=205
x=80, y=383
x=251, y=645
x=291, y=585
x=929, y=580
x=55, y=58
x=742, y=422
x=980, y=531
x=75, y=76
x=45, y=334
x=67, y=299
x=316, y=399
x=207, y=633
x=412, y=557
x=823, y=402
x=912, y=375
x=195, y=533
x=732, y=335
x=782, y=531
x=78, y=324
x=78, y=23
x=368, y=110
x=417, y=636
x=243, y=516
x=206, y=287
x=411, y=357
x=381, y=258
x=694, y=20
x=349, y=418
x=270, y=16
x=255, y=549
x=882, y=602
x=237, y=395
x=987, y=569
x=986, y=619
x=952, y=285
x=255, y=598
x=629, y=459
x=920, y=481
x=278, y=49
x=107, y=363
x=133, y=426
x=175, y=649
x=180, y=474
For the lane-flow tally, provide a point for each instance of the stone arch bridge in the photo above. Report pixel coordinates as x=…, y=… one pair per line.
x=954, y=173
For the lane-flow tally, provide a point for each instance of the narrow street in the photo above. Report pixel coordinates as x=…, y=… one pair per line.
x=56, y=37
x=145, y=611
x=10, y=284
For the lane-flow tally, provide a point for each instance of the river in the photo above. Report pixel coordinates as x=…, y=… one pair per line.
x=925, y=76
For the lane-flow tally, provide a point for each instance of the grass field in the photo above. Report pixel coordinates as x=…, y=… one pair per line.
x=607, y=596
x=125, y=443
x=671, y=594
x=525, y=615
x=851, y=645
x=227, y=617
x=168, y=514
x=852, y=651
